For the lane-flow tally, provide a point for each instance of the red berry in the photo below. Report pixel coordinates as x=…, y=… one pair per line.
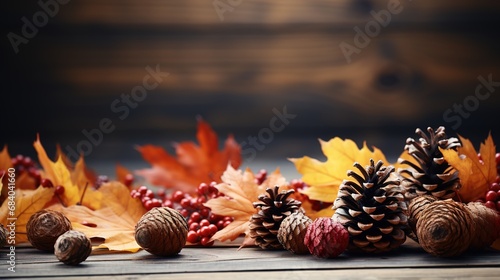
x=204, y=223
x=147, y=205
x=59, y=190
x=177, y=196
x=185, y=202
x=491, y=205
x=150, y=194
x=161, y=193
x=200, y=200
x=184, y=213
x=205, y=241
x=495, y=187
x=205, y=212
x=142, y=190
x=491, y=196
x=226, y=223
x=168, y=203
x=220, y=224
x=205, y=231
x=196, y=217
x=46, y=183
x=498, y=205
x=192, y=237
x=128, y=180
x=213, y=229
x=497, y=158
x=203, y=189
x=194, y=226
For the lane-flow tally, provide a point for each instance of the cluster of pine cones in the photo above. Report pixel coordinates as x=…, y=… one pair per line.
x=373, y=207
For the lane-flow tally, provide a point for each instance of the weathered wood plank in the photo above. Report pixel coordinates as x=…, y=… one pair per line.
x=32, y=263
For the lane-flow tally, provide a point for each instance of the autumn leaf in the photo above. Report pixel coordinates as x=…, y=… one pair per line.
x=324, y=178
x=26, y=203
x=476, y=175
x=75, y=192
x=194, y=164
x=114, y=222
x=240, y=190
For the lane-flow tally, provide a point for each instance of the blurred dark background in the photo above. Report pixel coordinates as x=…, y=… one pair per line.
x=264, y=54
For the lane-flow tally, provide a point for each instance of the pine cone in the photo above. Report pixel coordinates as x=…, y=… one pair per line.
x=162, y=231
x=326, y=238
x=44, y=227
x=273, y=208
x=292, y=231
x=415, y=208
x=372, y=209
x=445, y=228
x=432, y=175
x=72, y=247
x=487, y=224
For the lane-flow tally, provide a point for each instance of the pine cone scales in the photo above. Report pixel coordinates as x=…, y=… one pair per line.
x=432, y=175
x=372, y=209
x=273, y=208
x=292, y=232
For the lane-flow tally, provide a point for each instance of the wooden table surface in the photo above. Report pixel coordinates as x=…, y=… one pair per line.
x=225, y=261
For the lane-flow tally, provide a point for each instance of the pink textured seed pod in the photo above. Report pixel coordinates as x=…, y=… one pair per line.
x=326, y=238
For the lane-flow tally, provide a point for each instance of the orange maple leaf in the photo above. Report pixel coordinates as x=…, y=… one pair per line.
x=324, y=178
x=240, y=190
x=476, y=175
x=76, y=190
x=114, y=222
x=25, y=204
x=194, y=164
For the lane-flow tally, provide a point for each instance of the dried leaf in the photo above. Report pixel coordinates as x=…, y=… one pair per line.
x=27, y=202
x=59, y=174
x=324, y=178
x=115, y=222
x=121, y=173
x=475, y=175
x=240, y=190
x=194, y=164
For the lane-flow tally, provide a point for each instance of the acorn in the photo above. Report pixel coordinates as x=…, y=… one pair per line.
x=72, y=247
x=162, y=231
x=44, y=227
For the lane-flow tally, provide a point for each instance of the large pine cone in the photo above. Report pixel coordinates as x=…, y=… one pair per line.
x=372, y=209
x=432, y=175
x=273, y=208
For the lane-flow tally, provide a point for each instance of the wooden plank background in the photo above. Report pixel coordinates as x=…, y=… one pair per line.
x=263, y=55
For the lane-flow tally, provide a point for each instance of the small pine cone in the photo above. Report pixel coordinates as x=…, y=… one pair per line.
x=292, y=232
x=162, y=231
x=415, y=208
x=487, y=224
x=3, y=236
x=325, y=238
x=445, y=228
x=273, y=208
x=44, y=227
x=72, y=247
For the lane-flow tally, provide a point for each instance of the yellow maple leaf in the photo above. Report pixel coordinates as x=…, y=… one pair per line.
x=25, y=203
x=75, y=192
x=114, y=222
x=475, y=175
x=240, y=190
x=324, y=178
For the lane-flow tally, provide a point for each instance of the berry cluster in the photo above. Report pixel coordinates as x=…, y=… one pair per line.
x=26, y=164
x=492, y=196
x=203, y=224
x=299, y=185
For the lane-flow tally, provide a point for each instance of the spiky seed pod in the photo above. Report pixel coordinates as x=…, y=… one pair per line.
x=3, y=236
x=162, y=231
x=372, y=209
x=432, y=175
x=72, y=247
x=325, y=238
x=487, y=224
x=445, y=228
x=292, y=231
x=415, y=208
x=44, y=227
x=273, y=208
